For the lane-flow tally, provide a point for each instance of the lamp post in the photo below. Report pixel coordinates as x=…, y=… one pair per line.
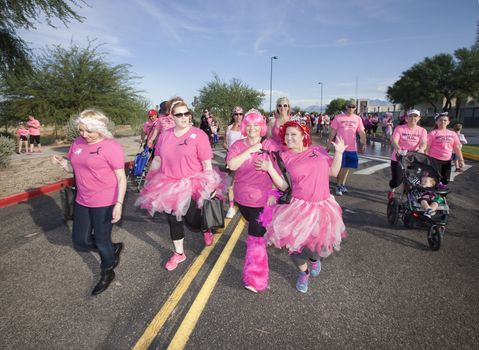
x=321, y=106
x=271, y=82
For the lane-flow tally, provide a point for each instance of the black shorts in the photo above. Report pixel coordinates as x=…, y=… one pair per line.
x=34, y=138
x=23, y=138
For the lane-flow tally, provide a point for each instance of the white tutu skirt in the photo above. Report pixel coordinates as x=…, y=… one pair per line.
x=173, y=196
x=318, y=226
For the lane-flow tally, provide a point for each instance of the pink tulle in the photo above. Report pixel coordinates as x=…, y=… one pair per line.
x=316, y=225
x=266, y=215
x=164, y=194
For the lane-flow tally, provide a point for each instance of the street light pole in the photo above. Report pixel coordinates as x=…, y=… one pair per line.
x=321, y=107
x=271, y=82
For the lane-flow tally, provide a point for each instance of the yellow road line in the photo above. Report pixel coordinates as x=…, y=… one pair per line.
x=160, y=319
x=189, y=322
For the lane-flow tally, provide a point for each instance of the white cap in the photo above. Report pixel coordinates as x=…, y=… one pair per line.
x=414, y=111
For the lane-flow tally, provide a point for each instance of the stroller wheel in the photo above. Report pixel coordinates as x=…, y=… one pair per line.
x=393, y=211
x=435, y=236
x=408, y=220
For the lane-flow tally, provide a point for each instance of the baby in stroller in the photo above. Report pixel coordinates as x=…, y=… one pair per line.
x=429, y=199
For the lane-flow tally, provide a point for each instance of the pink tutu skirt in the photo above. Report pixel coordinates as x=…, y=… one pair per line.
x=173, y=196
x=318, y=226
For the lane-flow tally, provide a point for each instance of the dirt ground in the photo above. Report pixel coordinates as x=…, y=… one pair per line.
x=26, y=174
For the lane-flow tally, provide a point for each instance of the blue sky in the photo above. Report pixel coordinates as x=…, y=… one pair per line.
x=177, y=46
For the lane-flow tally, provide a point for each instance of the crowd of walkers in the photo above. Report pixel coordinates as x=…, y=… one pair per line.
x=279, y=180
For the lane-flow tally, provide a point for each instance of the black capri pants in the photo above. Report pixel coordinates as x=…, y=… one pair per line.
x=396, y=174
x=251, y=215
x=444, y=168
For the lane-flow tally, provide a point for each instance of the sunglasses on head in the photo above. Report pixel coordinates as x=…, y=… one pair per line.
x=238, y=114
x=282, y=106
x=179, y=115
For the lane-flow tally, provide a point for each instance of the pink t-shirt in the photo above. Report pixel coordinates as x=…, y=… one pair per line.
x=347, y=126
x=22, y=132
x=165, y=122
x=182, y=157
x=251, y=186
x=33, y=127
x=148, y=126
x=94, y=165
x=408, y=139
x=309, y=172
x=441, y=144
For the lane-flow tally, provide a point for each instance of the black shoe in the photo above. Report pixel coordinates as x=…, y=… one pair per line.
x=106, y=277
x=118, y=247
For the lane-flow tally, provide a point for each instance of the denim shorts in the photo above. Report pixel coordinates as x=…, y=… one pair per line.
x=350, y=160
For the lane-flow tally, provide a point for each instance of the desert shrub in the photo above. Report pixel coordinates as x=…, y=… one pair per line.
x=7, y=134
x=7, y=147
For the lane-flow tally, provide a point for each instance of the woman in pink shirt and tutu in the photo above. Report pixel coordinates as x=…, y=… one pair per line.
x=98, y=163
x=281, y=116
x=441, y=143
x=251, y=188
x=180, y=172
x=311, y=226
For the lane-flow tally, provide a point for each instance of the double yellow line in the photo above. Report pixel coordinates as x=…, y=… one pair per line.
x=189, y=322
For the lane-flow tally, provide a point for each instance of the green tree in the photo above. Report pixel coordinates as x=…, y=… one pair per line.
x=336, y=106
x=14, y=15
x=64, y=82
x=438, y=80
x=221, y=97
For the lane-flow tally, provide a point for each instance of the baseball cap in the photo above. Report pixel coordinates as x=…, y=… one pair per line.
x=414, y=111
x=152, y=112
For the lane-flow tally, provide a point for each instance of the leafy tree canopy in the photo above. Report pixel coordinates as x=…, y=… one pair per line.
x=443, y=77
x=221, y=97
x=14, y=53
x=64, y=82
x=336, y=106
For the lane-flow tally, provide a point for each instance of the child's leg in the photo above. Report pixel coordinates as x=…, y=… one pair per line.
x=434, y=206
x=425, y=204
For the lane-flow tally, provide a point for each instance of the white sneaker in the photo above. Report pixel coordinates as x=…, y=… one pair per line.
x=230, y=213
x=338, y=191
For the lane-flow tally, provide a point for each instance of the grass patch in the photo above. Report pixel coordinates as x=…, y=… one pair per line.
x=472, y=149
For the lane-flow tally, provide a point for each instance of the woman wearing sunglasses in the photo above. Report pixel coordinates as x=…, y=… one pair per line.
x=180, y=172
x=281, y=116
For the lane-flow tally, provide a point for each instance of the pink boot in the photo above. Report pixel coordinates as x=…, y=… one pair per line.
x=255, y=268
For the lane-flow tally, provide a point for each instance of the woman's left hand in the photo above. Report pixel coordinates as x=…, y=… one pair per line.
x=116, y=215
x=339, y=145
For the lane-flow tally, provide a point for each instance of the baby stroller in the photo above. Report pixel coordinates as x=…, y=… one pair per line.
x=139, y=168
x=414, y=167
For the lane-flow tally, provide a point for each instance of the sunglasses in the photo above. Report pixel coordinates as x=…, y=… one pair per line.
x=285, y=106
x=179, y=115
x=351, y=106
x=238, y=114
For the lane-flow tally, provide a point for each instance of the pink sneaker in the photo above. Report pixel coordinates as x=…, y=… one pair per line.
x=175, y=259
x=208, y=237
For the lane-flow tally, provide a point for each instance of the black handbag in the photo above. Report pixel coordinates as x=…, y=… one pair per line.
x=213, y=214
x=68, y=195
x=285, y=197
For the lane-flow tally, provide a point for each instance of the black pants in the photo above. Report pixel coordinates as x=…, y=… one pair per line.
x=92, y=231
x=396, y=174
x=444, y=168
x=251, y=215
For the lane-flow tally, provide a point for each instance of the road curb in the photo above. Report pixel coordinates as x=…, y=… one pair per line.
x=470, y=156
x=27, y=195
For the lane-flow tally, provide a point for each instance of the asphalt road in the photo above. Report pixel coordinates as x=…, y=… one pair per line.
x=384, y=289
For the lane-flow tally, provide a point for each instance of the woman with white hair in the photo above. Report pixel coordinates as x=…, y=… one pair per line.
x=97, y=161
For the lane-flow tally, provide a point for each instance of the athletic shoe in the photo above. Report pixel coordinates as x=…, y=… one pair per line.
x=344, y=189
x=390, y=194
x=302, y=282
x=231, y=212
x=208, y=238
x=338, y=191
x=174, y=261
x=315, y=268
x=428, y=213
x=442, y=187
x=251, y=289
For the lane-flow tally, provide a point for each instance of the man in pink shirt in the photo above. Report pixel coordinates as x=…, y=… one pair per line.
x=34, y=132
x=346, y=126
